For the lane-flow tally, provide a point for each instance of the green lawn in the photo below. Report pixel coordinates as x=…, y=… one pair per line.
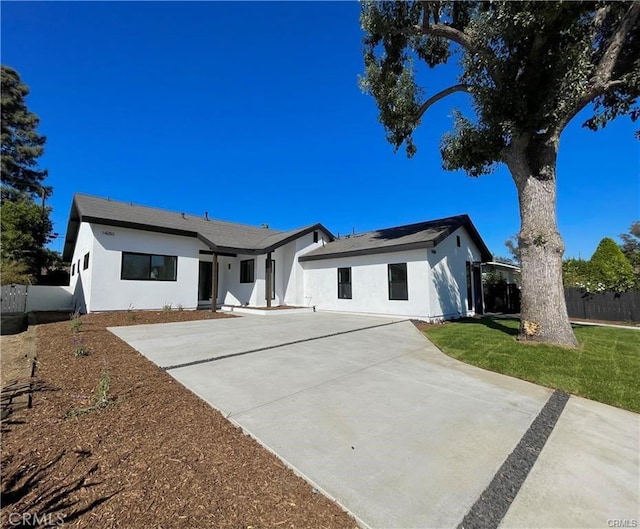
x=606, y=368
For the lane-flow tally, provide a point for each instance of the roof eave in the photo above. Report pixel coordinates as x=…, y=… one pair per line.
x=367, y=251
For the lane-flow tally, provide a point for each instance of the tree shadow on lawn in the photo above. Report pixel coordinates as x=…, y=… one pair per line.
x=493, y=323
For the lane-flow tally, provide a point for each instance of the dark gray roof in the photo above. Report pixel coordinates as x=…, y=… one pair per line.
x=412, y=236
x=216, y=234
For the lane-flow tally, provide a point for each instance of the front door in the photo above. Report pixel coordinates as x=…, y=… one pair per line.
x=204, y=280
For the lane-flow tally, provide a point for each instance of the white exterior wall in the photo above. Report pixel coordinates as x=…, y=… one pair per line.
x=448, y=276
x=104, y=290
x=436, y=282
x=44, y=297
x=369, y=284
x=289, y=280
x=81, y=280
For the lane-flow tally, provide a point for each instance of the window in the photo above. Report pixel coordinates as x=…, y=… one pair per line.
x=73, y=269
x=315, y=236
x=142, y=266
x=458, y=241
x=85, y=264
x=398, y=281
x=246, y=271
x=344, y=283
x=469, y=287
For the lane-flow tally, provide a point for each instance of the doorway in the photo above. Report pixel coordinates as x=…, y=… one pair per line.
x=204, y=280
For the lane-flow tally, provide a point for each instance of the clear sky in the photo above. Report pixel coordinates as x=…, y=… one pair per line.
x=252, y=112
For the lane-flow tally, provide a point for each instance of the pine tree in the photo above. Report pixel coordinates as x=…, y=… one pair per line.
x=21, y=143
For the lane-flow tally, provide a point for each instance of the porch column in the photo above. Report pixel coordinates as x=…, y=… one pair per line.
x=214, y=282
x=268, y=285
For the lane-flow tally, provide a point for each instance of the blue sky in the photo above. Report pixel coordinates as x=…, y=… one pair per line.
x=252, y=112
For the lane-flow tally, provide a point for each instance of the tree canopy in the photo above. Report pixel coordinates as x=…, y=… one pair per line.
x=21, y=143
x=26, y=227
x=529, y=68
x=631, y=246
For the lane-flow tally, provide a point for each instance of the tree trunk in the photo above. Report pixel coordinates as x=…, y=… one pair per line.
x=544, y=312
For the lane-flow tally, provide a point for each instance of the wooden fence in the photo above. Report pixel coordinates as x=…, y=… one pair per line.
x=13, y=298
x=607, y=306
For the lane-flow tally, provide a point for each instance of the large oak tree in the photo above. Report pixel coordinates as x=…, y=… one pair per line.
x=529, y=68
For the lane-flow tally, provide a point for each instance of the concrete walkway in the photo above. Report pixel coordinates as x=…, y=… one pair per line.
x=398, y=433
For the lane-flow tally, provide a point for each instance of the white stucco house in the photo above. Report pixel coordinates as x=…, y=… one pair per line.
x=125, y=256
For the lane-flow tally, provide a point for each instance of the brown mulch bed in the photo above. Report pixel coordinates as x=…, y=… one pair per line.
x=155, y=456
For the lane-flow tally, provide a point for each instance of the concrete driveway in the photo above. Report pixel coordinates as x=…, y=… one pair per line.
x=401, y=435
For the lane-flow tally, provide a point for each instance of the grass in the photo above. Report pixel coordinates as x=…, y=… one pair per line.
x=605, y=368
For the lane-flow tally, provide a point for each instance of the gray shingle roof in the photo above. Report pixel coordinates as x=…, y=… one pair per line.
x=221, y=235
x=421, y=235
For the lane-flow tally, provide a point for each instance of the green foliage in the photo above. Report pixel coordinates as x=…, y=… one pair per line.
x=631, y=249
x=514, y=248
x=577, y=273
x=26, y=229
x=21, y=143
x=529, y=68
x=493, y=277
x=75, y=325
x=79, y=347
x=605, y=368
x=14, y=273
x=610, y=268
x=101, y=398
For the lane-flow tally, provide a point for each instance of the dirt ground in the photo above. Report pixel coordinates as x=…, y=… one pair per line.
x=151, y=455
x=14, y=360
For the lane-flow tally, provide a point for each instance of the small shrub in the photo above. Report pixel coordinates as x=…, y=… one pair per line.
x=133, y=316
x=101, y=398
x=76, y=323
x=79, y=347
x=180, y=307
x=167, y=307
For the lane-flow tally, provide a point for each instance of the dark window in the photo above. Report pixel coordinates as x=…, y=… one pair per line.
x=344, y=283
x=85, y=264
x=315, y=236
x=246, y=271
x=469, y=287
x=398, y=281
x=458, y=240
x=78, y=265
x=143, y=266
x=73, y=269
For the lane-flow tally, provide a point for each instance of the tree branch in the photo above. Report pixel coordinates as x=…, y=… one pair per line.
x=601, y=81
x=449, y=33
x=440, y=95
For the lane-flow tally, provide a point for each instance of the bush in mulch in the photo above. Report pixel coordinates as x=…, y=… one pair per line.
x=152, y=454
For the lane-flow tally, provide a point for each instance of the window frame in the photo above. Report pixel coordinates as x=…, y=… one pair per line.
x=244, y=274
x=150, y=256
x=391, y=283
x=341, y=293
x=85, y=262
